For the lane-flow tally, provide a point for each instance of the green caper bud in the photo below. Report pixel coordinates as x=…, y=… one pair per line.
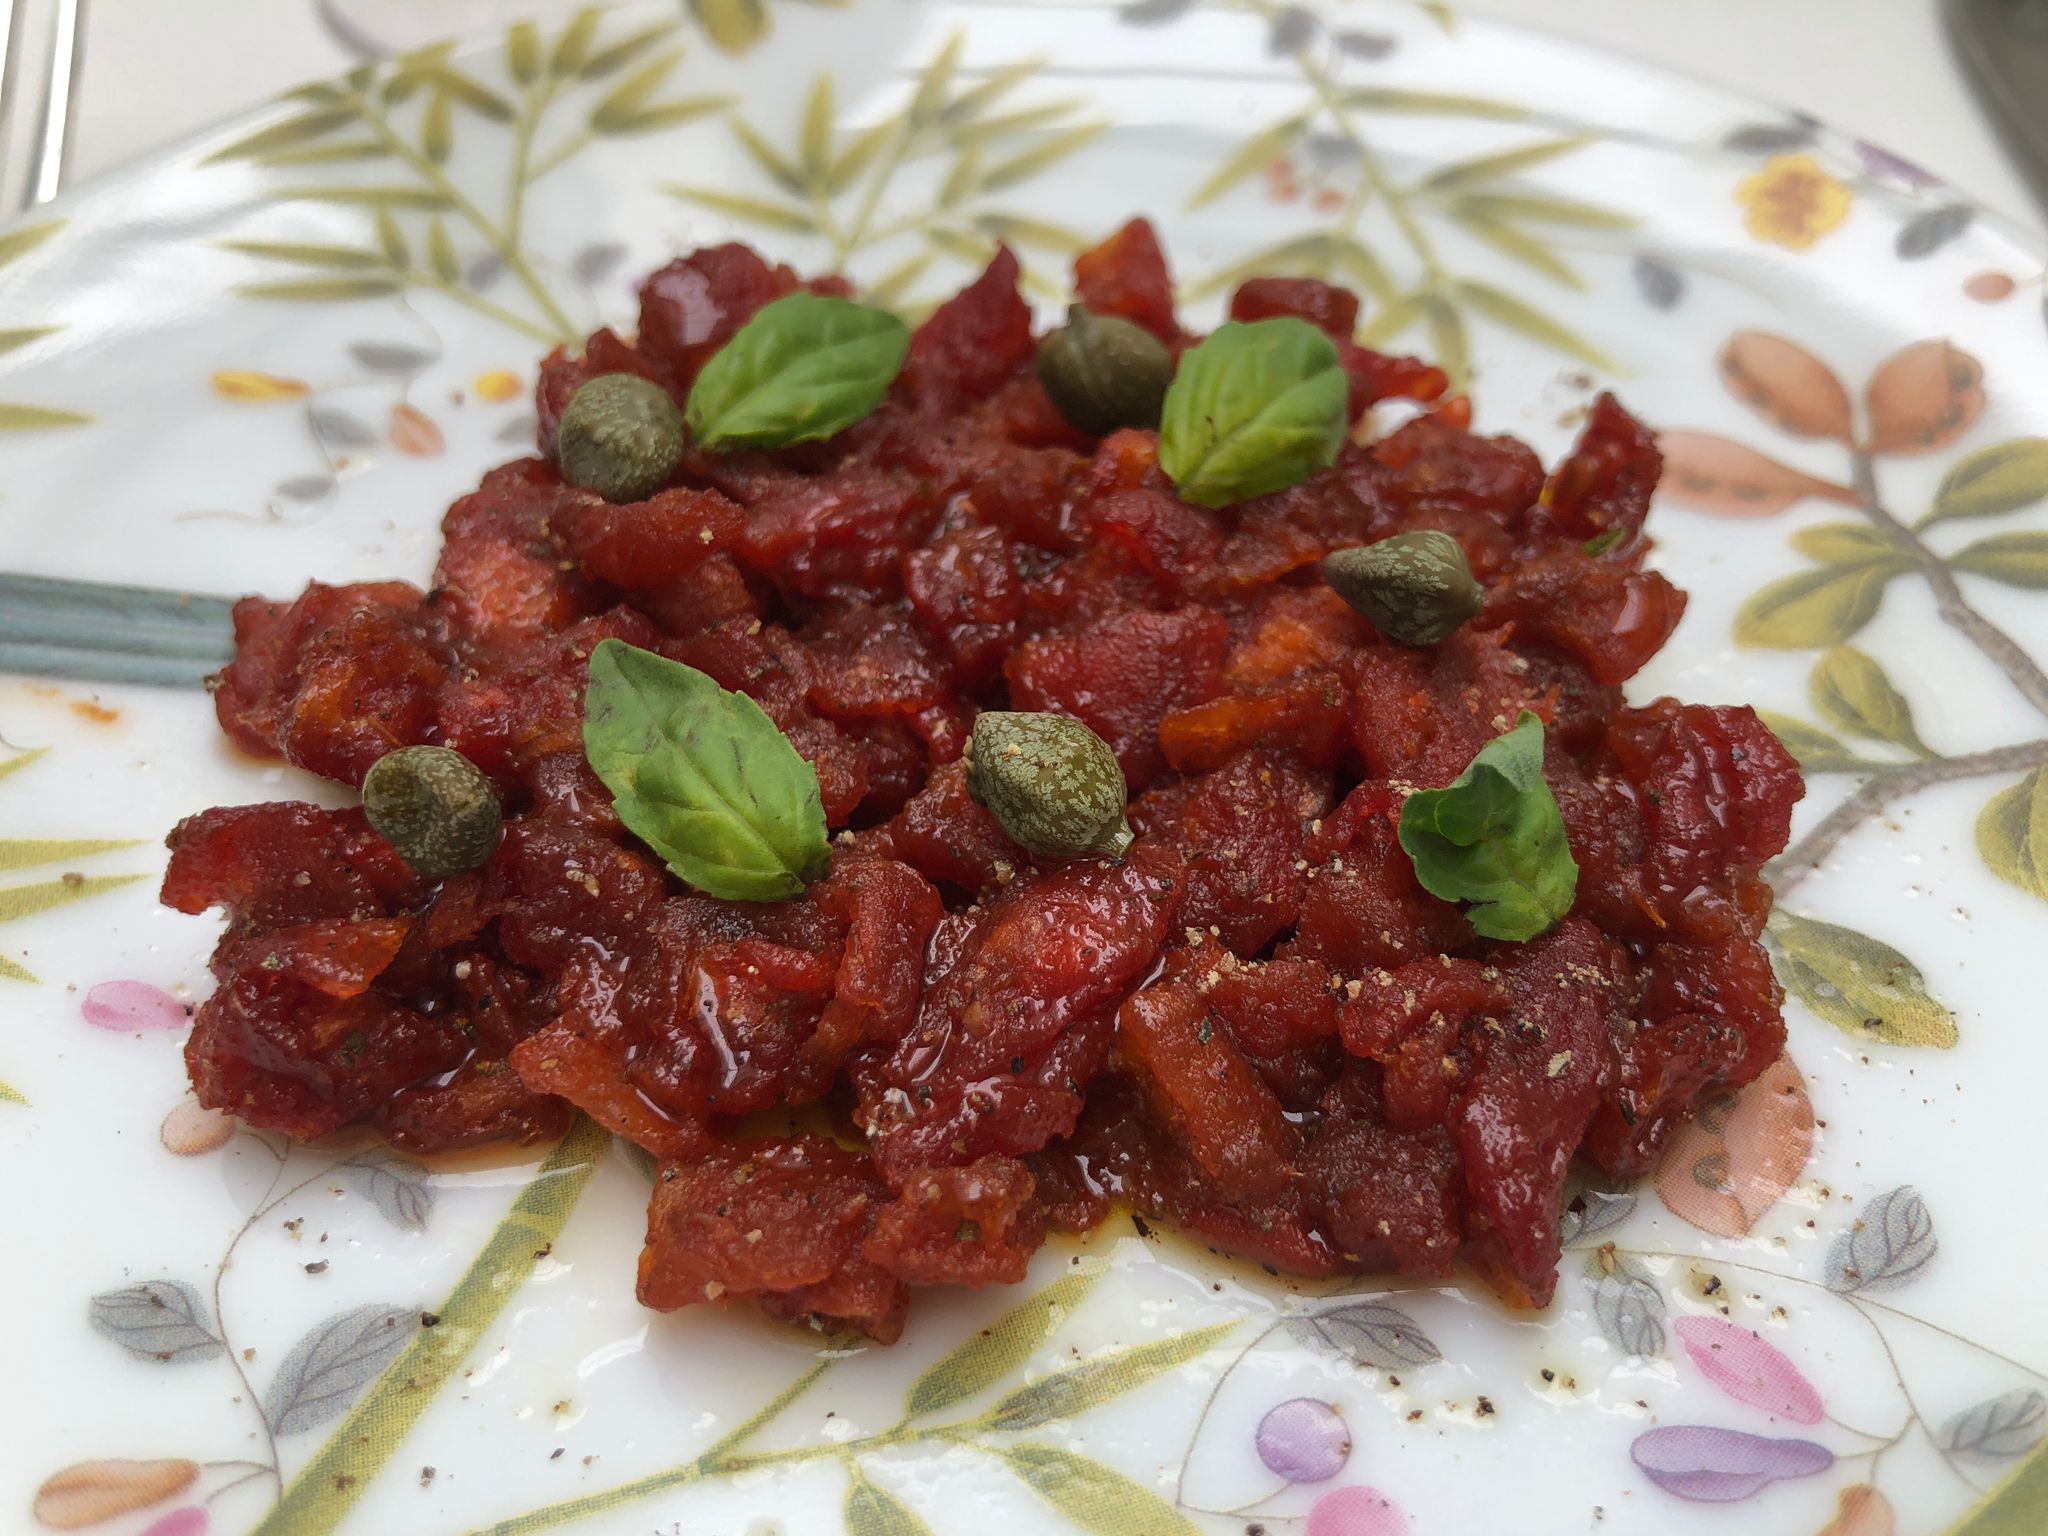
x=621, y=436
x=434, y=808
x=1103, y=372
x=1414, y=588
x=1052, y=784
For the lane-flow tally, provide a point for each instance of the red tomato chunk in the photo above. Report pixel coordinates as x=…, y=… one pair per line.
x=1257, y=1025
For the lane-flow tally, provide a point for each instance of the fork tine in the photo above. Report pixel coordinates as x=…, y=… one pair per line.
x=12, y=24
x=104, y=666
x=53, y=132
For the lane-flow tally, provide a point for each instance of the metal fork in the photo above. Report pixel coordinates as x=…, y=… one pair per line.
x=93, y=632
x=54, y=110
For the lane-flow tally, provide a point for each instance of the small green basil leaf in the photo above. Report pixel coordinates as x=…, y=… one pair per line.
x=702, y=776
x=804, y=368
x=1601, y=543
x=1255, y=408
x=1494, y=839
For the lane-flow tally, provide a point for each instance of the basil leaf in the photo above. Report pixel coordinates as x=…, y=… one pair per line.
x=1495, y=839
x=1600, y=543
x=702, y=776
x=804, y=368
x=1255, y=408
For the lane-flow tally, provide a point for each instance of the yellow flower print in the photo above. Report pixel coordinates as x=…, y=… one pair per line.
x=498, y=386
x=246, y=387
x=1792, y=201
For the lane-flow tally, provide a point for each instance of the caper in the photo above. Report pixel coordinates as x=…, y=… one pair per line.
x=620, y=436
x=434, y=808
x=1103, y=372
x=1052, y=784
x=1414, y=588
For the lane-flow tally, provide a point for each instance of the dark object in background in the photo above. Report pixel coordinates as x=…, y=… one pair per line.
x=2003, y=45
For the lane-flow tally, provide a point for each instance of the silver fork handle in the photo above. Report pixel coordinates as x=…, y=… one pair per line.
x=92, y=631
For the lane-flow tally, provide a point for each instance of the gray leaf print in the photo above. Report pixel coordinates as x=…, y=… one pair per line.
x=306, y=487
x=337, y=429
x=1590, y=1208
x=1661, y=284
x=156, y=1320
x=1628, y=1307
x=1369, y=1333
x=1886, y=1249
x=390, y=357
x=595, y=263
x=1770, y=138
x=1366, y=45
x=1292, y=30
x=1999, y=1430
x=331, y=1365
x=396, y=1185
x=1926, y=233
x=1147, y=13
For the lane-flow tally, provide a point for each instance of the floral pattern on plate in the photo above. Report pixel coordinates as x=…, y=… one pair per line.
x=1807, y=1314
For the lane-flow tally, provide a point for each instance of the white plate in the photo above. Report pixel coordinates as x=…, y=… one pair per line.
x=196, y=396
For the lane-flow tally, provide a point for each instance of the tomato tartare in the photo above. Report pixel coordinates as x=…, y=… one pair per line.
x=1245, y=1007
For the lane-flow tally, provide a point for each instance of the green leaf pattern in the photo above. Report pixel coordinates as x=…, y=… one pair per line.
x=996, y=1351
x=1811, y=747
x=20, y=902
x=1861, y=985
x=2011, y=559
x=16, y=416
x=2012, y=834
x=824, y=176
x=1385, y=225
x=1069, y=1393
x=424, y=232
x=1816, y=608
x=1993, y=481
x=1852, y=693
x=872, y=1511
x=1098, y=1499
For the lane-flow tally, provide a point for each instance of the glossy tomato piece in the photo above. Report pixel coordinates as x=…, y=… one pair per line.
x=972, y=1226
x=1536, y=1076
x=1126, y=276
x=783, y=1219
x=975, y=341
x=1243, y=834
x=1121, y=676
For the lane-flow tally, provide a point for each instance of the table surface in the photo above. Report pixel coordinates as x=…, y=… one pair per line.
x=154, y=71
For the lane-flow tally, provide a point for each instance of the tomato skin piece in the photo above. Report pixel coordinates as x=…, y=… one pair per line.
x=1126, y=276
x=1206, y=1093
